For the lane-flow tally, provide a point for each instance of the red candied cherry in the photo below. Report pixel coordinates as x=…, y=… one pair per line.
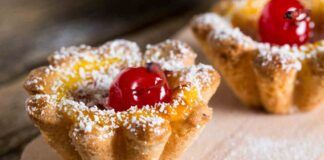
x=138, y=87
x=285, y=22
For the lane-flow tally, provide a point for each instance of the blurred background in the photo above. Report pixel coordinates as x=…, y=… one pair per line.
x=30, y=30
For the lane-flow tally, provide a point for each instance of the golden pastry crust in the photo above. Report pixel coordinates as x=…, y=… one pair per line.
x=230, y=58
x=309, y=89
x=66, y=97
x=275, y=77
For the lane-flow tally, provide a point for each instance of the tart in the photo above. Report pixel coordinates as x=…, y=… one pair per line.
x=281, y=78
x=70, y=100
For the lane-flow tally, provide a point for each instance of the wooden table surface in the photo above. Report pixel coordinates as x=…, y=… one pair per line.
x=30, y=30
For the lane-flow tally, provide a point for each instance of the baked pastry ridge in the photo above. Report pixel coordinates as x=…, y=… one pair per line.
x=67, y=98
x=278, y=78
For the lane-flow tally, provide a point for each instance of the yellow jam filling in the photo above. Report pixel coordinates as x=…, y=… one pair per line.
x=171, y=111
x=70, y=81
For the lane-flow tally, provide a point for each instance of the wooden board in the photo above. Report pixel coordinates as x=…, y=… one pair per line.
x=239, y=133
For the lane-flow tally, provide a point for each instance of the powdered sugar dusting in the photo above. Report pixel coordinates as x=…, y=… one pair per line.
x=287, y=58
x=235, y=34
x=211, y=20
x=290, y=57
x=123, y=49
x=198, y=75
x=85, y=74
x=222, y=30
x=171, y=54
x=266, y=148
x=73, y=50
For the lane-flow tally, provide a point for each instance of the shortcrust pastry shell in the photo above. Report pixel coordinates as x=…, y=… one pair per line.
x=280, y=79
x=163, y=131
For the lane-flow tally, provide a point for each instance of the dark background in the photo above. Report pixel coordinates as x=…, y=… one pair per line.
x=30, y=30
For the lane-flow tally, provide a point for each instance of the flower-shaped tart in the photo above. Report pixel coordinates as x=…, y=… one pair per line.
x=69, y=101
x=280, y=78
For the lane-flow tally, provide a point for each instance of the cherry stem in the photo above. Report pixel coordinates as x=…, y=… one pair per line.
x=153, y=67
x=297, y=14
